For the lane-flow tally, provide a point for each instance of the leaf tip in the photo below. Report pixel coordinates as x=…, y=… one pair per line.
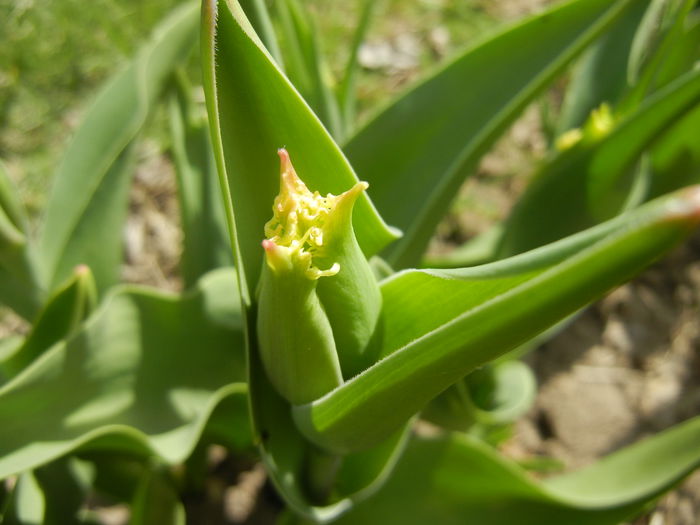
x=687, y=205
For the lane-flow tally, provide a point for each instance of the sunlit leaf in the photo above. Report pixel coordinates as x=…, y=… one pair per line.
x=143, y=373
x=440, y=325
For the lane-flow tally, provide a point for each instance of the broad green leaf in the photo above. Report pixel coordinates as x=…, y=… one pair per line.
x=21, y=287
x=143, y=373
x=253, y=111
x=305, y=65
x=64, y=311
x=601, y=74
x=592, y=181
x=88, y=204
x=416, y=153
x=206, y=244
x=457, y=480
x=439, y=325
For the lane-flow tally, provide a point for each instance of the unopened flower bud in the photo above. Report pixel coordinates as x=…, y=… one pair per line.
x=318, y=303
x=294, y=335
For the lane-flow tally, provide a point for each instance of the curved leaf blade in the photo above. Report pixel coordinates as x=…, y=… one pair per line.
x=483, y=313
x=144, y=372
x=456, y=480
x=421, y=150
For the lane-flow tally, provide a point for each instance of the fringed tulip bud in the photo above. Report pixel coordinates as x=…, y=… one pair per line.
x=318, y=302
x=295, y=337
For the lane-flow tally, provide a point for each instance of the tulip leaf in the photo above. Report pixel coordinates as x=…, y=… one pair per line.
x=439, y=325
x=416, y=153
x=254, y=110
x=88, y=204
x=591, y=181
x=143, y=373
x=655, y=45
x=456, y=479
x=675, y=158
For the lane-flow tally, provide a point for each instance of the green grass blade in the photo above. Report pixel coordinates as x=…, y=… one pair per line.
x=456, y=479
x=143, y=373
x=416, y=153
x=305, y=65
x=206, y=240
x=88, y=204
x=347, y=95
x=592, y=181
x=253, y=111
x=439, y=325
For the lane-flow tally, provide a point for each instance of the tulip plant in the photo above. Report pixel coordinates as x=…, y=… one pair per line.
x=313, y=330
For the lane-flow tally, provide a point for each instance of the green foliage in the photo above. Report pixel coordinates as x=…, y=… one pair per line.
x=117, y=390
